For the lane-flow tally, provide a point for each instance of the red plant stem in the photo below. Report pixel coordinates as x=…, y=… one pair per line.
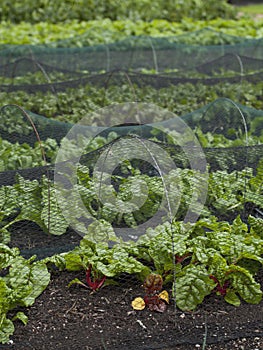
x=97, y=283
x=221, y=289
x=179, y=259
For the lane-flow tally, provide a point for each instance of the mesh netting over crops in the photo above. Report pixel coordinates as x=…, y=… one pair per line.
x=34, y=68
x=221, y=140
x=139, y=63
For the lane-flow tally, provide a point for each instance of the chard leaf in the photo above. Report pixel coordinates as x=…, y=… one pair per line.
x=256, y=226
x=7, y=255
x=238, y=226
x=51, y=214
x=8, y=201
x=29, y=200
x=73, y=260
x=58, y=260
x=38, y=280
x=5, y=236
x=27, y=280
x=6, y=329
x=201, y=249
x=256, y=198
x=118, y=261
x=232, y=298
x=20, y=316
x=100, y=231
x=192, y=285
x=217, y=266
x=169, y=239
x=250, y=256
x=244, y=284
x=77, y=281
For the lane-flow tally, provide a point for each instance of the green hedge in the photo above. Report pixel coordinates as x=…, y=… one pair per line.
x=33, y=11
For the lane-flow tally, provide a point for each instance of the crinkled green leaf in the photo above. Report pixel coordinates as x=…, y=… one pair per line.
x=57, y=260
x=51, y=213
x=7, y=328
x=238, y=226
x=29, y=200
x=244, y=284
x=7, y=255
x=118, y=261
x=5, y=236
x=27, y=280
x=192, y=285
x=232, y=298
x=217, y=266
x=8, y=201
x=100, y=231
x=256, y=225
x=73, y=260
x=20, y=316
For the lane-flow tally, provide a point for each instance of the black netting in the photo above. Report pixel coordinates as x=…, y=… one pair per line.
x=80, y=124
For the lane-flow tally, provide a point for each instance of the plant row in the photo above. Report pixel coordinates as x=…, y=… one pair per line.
x=36, y=201
x=78, y=34
x=81, y=10
x=15, y=156
x=73, y=104
x=209, y=257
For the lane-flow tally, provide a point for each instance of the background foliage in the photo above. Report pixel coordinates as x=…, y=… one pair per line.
x=84, y=10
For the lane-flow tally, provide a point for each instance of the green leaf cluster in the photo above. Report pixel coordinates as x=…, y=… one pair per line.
x=14, y=156
x=78, y=34
x=229, y=252
x=72, y=105
x=36, y=201
x=21, y=282
x=64, y=10
x=186, y=255
x=33, y=201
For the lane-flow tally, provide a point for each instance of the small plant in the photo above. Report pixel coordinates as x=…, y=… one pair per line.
x=153, y=299
x=94, y=282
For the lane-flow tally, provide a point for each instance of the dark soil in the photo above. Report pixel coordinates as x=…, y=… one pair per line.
x=74, y=318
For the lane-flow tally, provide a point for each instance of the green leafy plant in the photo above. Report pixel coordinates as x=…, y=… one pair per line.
x=210, y=256
x=94, y=283
x=16, y=156
x=155, y=300
x=33, y=201
x=21, y=282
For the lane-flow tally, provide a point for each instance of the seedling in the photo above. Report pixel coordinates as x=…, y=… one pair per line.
x=94, y=282
x=155, y=300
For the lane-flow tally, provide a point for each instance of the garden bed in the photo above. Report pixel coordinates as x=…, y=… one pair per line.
x=74, y=318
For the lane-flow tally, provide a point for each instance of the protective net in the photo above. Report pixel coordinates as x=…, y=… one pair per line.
x=137, y=145
x=35, y=66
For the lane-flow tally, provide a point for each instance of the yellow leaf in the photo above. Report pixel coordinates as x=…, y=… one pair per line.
x=138, y=303
x=164, y=296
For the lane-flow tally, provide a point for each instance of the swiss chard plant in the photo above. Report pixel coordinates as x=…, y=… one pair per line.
x=153, y=298
x=21, y=282
x=98, y=261
x=33, y=201
x=207, y=257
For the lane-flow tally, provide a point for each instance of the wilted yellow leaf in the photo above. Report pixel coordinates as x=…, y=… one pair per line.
x=138, y=303
x=164, y=296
